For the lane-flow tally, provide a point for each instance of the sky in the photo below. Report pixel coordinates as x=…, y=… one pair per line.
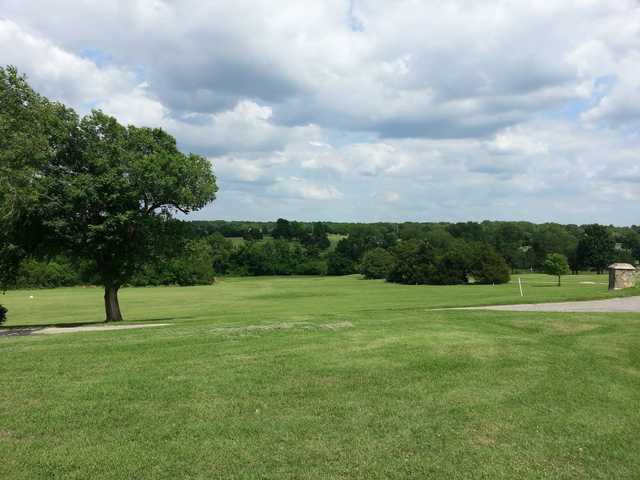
x=364, y=110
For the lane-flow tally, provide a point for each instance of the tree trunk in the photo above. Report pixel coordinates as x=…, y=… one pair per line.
x=558, y=280
x=111, y=304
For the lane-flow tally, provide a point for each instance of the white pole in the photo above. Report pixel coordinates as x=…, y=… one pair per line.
x=520, y=285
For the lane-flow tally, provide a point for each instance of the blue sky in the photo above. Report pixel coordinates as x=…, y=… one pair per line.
x=364, y=110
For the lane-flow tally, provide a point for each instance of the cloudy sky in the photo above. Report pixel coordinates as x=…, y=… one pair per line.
x=364, y=110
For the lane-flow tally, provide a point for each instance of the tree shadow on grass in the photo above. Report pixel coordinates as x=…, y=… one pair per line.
x=25, y=330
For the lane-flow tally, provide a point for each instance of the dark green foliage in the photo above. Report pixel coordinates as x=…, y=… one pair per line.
x=312, y=266
x=524, y=245
x=452, y=268
x=508, y=238
x=487, y=266
x=376, y=263
x=551, y=238
x=316, y=240
x=253, y=233
x=340, y=264
x=312, y=236
x=417, y=262
x=556, y=264
x=221, y=250
x=58, y=272
x=33, y=131
x=282, y=229
x=349, y=251
x=3, y=314
x=596, y=248
x=193, y=265
x=414, y=263
x=89, y=188
x=469, y=231
x=439, y=239
x=270, y=257
x=630, y=240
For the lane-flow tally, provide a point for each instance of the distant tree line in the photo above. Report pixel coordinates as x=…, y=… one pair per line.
x=413, y=253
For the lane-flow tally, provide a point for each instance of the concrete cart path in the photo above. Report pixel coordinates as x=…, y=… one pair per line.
x=97, y=328
x=35, y=330
x=627, y=304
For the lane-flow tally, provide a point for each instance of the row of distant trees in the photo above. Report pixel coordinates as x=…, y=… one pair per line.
x=436, y=253
x=523, y=245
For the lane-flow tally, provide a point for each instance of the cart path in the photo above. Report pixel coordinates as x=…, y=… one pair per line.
x=35, y=330
x=625, y=304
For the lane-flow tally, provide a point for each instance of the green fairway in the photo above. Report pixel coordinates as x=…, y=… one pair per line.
x=321, y=377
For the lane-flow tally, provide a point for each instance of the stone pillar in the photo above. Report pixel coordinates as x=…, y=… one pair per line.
x=622, y=275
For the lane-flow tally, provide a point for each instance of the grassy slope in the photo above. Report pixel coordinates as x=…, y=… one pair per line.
x=322, y=378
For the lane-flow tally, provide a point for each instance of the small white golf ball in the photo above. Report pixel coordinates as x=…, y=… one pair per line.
x=31, y=297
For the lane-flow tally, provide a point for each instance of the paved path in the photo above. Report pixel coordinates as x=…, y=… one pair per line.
x=627, y=304
x=20, y=332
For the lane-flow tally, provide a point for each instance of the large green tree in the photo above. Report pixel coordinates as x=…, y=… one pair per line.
x=596, y=248
x=91, y=188
x=376, y=263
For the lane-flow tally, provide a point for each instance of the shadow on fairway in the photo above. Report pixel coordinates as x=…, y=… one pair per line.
x=11, y=330
x=25, y=330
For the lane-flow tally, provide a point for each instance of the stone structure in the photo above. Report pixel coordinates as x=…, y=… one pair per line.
x=622, y=275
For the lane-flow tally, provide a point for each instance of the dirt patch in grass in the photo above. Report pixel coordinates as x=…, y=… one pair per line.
x=485, y=435
x=568, y=328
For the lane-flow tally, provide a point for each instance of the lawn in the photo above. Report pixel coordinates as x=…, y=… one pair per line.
x=322, y=378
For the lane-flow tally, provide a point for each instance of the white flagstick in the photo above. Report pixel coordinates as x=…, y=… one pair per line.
x=520, y=285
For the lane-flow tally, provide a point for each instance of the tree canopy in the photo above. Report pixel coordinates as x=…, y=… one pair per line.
x=556, y=264
x=596, y=248
x=91, y=187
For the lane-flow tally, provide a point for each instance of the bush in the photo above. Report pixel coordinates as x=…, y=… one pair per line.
x=3, y=314
x=192, y=266
x=488, y=267
x=339, y=264
x=376, y=263
x=222, y=250
x=58, y=272
x=452, y=268
x=269, y=257
x=312, y=266
x=414, y=263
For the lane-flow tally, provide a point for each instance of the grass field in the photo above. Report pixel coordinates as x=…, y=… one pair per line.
x=322, y=378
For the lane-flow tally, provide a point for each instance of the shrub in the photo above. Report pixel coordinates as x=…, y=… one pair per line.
x=376, y=263
x=312, y=266
x=58, y=272
x=452, y=268
x=414, y=263
x=193, y=265
x=340, y=264
x=269, y=257
x=222, y=250
x=3, y=314
x=487, y=266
